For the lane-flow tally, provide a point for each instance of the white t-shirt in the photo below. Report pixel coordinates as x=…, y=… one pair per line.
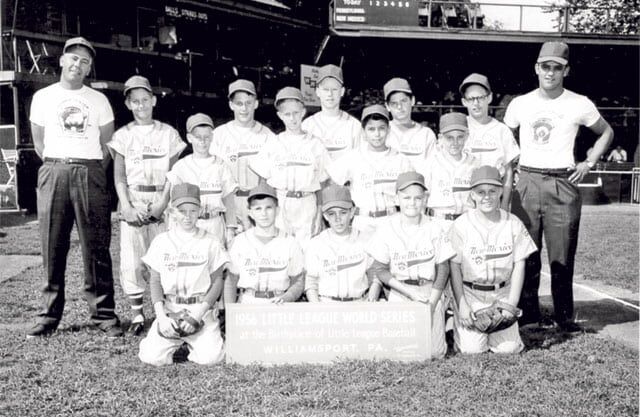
x=548, y=127
x=336, y=265
x=185, y=261
x=487, y=254
x=265, y=266
x=372, y=175
x=237, y=145
x=292, y=162
x=147, y=151
x=416, y=143
x=338, y=134
x=411, y=252
x=492, y=143
x=71, y=120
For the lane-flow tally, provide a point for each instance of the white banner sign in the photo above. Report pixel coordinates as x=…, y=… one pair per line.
x=308, y=79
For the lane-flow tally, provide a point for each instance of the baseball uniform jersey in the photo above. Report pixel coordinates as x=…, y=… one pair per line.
x=185, y=262
x=338, y=134
x=264, y=266
x=147, y=151
x=487, y=256
x=448, y=181
x=294, y=165
x=492, y=144
x=336, y=265
x=416, y=143
x=412, y=253
x=215, y=180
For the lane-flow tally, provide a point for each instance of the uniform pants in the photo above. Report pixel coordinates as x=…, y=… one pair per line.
x=550, y=207
x=471, y=341
x=438, y=341
x=297, y=215
x=69, y=193
x=134, y=243
x=206, y=347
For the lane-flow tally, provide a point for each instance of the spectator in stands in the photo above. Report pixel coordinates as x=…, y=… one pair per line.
x=617, y=155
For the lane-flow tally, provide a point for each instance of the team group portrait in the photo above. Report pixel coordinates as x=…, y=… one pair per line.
x=284, y=208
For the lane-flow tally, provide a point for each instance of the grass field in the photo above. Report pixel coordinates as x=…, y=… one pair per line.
x=78, y=372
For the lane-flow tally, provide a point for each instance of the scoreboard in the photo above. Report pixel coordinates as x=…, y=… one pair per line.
x=376, y=12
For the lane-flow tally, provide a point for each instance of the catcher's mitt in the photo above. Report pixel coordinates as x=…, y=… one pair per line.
x=181, y=317
x=490, y=319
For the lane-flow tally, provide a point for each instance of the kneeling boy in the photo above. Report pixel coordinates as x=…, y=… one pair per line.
x=186, y=266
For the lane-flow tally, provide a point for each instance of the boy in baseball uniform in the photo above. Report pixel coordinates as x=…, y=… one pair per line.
x=186, y=266
x=266, y=264
x=212, y=175
x=372, y=171
x=490, y=141
x=491, y=248
x=335, y=261
x=144, y=151
x=338, y=131
x=411, y=253
x=239, y=140
x=408, y=137
x=448, y=170
x=295, y=165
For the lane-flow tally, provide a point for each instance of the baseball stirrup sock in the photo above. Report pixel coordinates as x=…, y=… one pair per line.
x=136, y=306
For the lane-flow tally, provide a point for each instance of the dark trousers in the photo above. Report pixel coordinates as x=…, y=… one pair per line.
x=69, y=193
x=549, y=206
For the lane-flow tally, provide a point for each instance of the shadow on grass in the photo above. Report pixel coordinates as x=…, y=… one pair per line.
x=596, y=315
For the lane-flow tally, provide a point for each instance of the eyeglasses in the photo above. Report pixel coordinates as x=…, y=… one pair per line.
x=477, y=99
x=400, y=103
x=553, y=68
x=79, y=59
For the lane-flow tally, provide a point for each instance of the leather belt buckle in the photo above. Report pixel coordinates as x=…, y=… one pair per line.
x=484, y=287
x=296, y=194
x=343, y=298
x=418, y=282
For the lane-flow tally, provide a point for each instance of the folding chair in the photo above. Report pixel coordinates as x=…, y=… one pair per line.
x=10, y=159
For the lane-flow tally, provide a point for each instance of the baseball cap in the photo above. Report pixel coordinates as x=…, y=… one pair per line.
x=396, y=84
x=242, y=85
x=554, y=51
x=409, y=178
x=185, y=193
x=374, y=109
x=198, y=119
x=475, y=78
x=486, y=174
x=137, y=81
x=262, y=189
x=336, y=196
x=288, y=93
x=330, y=71
x=453, y=121
x=78, y=41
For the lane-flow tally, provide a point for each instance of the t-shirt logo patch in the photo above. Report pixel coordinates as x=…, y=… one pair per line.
x=542, y=130
x=73, y=117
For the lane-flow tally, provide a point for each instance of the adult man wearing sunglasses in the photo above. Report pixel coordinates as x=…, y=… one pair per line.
x=547, y=198
x=71, y=124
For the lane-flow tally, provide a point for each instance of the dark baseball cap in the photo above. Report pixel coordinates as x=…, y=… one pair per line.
x=288, y=93
x=78, y=41
x=409, y=178
x=242, y=85
x=453, y=121
x=395, y=85
x=336, y=196
x=486, y=174
x=137, y=81
x=262, y=190
x=374, y=109
x=554, y=51
x=330, y=71
x=472, y=79
x=185, y=193
x=198, y=119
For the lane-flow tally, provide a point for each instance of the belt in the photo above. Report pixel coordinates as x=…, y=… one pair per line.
x=420, y=282
x=207, y=216
x=447, y=216
x=176, y=299
x=379, y=213
x=71, y=161
x=298, y=194
x=484, y=287
x=262, y=294
x=242, y=193
x=551, y=172
x=341, y=298
x=148, y=188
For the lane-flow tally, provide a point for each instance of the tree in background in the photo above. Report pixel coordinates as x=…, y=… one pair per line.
x=599, y=16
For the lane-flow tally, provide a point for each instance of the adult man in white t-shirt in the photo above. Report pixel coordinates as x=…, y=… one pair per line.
x=547, y=199
x=71, y=124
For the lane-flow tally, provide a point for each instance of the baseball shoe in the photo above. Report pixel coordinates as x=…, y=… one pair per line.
x=112, y=331
x=136, y=328
x=41, y=330
x=570, y=326
x=547, y=323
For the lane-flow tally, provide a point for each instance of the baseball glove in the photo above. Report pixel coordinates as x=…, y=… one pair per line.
x=490, y=319
x=180, y=318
